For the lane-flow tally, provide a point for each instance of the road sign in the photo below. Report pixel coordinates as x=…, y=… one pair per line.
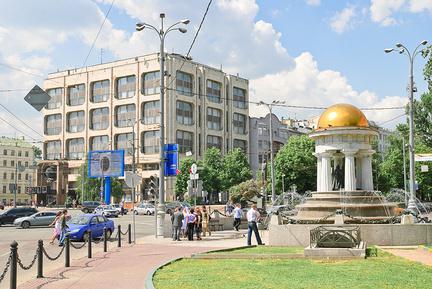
x=37, y=97
x=194, y=176
x=194, y=169
x=131, y=179
x=106, y=164
x=171, y=160
x=424, y=168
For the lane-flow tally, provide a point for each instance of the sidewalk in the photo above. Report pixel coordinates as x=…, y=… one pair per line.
x=127, y=267
x=416, y=255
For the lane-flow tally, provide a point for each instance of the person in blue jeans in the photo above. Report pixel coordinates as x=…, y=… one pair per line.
x=253, y=217
x=63, y=227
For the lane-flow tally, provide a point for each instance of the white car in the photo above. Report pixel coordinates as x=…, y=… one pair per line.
x=119, y=209
x=106, y=210
x=144, y=209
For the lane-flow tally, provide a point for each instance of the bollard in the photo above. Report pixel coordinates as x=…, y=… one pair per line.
x=129, y=234
x=67, y=252
x=89, y=243
x=40, y=260
x=13, y=265
x=119, y=236
x=105, y=239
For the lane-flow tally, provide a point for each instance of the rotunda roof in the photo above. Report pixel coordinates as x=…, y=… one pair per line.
x=342, y=115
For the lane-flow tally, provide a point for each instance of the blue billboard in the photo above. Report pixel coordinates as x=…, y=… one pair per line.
x=103, y=164
x=171, y=160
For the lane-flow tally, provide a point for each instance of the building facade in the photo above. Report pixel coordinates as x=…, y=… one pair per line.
x=96, y=107
x=259, y=139
x=16, y=159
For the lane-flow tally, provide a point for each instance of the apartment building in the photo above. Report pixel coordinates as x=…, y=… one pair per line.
x=16, y=167
x=96, y=107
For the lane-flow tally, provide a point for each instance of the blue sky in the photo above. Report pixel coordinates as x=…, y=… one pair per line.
x=303, y=52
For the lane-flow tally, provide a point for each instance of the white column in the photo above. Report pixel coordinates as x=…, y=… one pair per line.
x=326, y=184
x=319, y=187
x=367, y=177
x=350, y=178
x=358, y=163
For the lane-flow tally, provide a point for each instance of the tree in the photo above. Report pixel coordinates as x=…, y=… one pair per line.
x=296, y=161
x=212, y=168
x=37, y=152
x=236, y=169
x=245, y=191
x=181, y=184
x=92, y=186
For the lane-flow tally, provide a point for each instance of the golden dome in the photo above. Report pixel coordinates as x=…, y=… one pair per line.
x=342, y=115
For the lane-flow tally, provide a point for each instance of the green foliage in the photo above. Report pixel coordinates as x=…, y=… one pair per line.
x=245, y=191
x=423, y=118
x=297, y=162
x=236, y=169
x=37, y=152
x=212, y=170
x=183, y=176
x=92, y=186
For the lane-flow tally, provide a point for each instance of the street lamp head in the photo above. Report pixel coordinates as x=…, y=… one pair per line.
x=398, y=45
x=424, y=42
x=388, y=50
x=185, y=21
x=162, y=15
x=182, y=30
x=139, y=26
x=401, y=51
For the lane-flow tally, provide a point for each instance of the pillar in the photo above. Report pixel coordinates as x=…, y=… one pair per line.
x=326, y=183
x=358, y=163
x=107, y=191
x=350, y=177
x=319, y=187
x=367, y=176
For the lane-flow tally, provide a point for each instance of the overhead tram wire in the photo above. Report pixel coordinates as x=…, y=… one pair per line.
x=392, y=119
x=193, y=42
x=18, y=118
x=17, y=129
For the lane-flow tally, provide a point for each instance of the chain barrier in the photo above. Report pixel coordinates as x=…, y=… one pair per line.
x=216, y=210
x=100, y=240
x=56, y=257
x=125, y=233
x=117, y=235
x=76, y=246
x=6, y=268
x=31, y=263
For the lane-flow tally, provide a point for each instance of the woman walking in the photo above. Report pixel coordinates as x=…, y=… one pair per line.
x=57, y=229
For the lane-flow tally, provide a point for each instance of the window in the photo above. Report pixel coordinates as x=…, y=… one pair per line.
x=214, y=118
x=19, y=163
x=150, y=142
x=239, y=97
x=5, y=152
x=214, y=90
x=4, y=163
x=56, y=97
x=26, y=154
x=19, y=177
x=12, y=153
x=75, y=148
x=125, y=87
x=100, y=91
x=184, y=83
x=26, y=177
x=264, y=145
x=19, y=191
x=151, y=82
x=263, y=131
x=53, y=124
x=99, y=143
x=239, y=123
x=53, y=150
x=123, y=141
x=4, y=176
x=26, y=164
x=214, y=142
x=185, y=141
x=76, y=94
x=75, y=121
x=19, y=153
x=125, y=115
x=4, y=192
x=99, y=118
x=151, y=112
x=12, y=176
x=184, y=113
x=12, y=163
x=151, y=167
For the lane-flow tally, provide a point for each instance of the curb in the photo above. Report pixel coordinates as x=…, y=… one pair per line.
x=149, y=279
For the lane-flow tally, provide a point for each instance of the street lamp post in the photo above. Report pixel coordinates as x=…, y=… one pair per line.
x=411, y=89
x=270, y=107
x=162, y=34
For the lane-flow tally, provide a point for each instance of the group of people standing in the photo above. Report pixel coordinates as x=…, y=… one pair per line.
x=60, y=227
x=190, y=221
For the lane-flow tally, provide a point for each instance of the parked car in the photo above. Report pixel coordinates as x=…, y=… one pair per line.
x=9, y=216
x=89, y=206
x=81, y=224
x=119, y=209
x=144, y=209
x=106, y=210
x=170, y=207
x=37, y=219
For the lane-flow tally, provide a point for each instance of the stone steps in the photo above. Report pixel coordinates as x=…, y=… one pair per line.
x=345, y=205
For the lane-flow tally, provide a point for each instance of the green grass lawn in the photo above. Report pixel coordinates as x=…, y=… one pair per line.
x=263, y=250
x=384, y=271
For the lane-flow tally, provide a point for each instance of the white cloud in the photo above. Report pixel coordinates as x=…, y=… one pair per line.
x=382, y=10
x=417, y=6
x=343, y=20
x=309, y=86
x=313, y=2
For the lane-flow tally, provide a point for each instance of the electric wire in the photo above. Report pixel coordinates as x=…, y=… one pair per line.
x=17, y=129
x=20, y=120
x=392, y=119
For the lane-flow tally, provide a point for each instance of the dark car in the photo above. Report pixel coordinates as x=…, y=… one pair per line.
x=89, y=206
x=9, y=216
x=81, y=224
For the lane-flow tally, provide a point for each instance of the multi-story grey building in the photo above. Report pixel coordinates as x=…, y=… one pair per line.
x=259, y=139
x=95, y=108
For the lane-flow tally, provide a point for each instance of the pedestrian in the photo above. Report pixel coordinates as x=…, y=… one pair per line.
x=205, y=221
x=57, y=227
x=198, y=223
x=63, y=227
x=191, y=219
x=176, y=221
x=237, y=217
x=74, y=203
x=253, y=217
x=121, y=205
x=41, y=203
x=184, y=222
x=229, y=208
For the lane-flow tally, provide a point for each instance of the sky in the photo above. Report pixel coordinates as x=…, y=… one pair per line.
x=303, y=52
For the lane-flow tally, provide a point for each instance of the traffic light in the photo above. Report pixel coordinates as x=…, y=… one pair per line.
x=154, y=185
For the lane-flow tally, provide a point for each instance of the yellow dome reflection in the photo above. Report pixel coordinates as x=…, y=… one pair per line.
x=342, y=115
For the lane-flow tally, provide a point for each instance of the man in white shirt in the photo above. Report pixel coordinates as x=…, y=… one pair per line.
x=237, y=217
x=253, y=216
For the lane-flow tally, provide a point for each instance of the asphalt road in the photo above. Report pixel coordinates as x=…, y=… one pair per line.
x=27, y=242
